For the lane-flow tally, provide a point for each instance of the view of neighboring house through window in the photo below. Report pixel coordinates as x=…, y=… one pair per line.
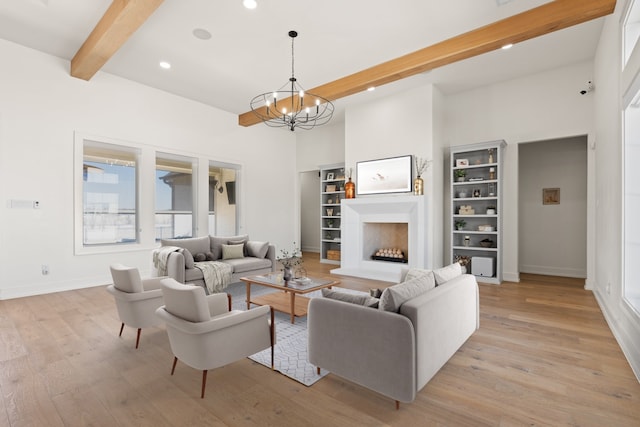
x=174, y=196
x=108, y=194
x=222, y=199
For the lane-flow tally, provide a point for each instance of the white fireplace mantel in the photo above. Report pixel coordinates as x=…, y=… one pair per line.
x=356, y=212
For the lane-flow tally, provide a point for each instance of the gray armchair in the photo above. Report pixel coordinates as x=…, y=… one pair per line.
x=205, y=334
x=136, y=299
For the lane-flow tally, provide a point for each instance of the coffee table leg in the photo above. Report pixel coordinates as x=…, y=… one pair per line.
x=293, y=307
x=248, y=295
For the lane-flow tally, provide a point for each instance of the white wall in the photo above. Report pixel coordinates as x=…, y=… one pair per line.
x=553, y=238
x=608, y=286
x=41, y=108
x=323, y=145
x=398, y=125
x=310, y=211
x=532, y=108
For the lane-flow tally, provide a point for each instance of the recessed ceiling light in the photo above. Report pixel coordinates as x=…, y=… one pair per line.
x=165, y=65
x=250, y=4
x=371, y=89
x=507, y=46
x=201, y=33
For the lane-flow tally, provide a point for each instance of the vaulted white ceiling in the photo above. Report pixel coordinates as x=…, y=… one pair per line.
x=250, y=52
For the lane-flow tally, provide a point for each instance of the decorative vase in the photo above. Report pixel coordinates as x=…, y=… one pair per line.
x=350, y=189
x=418, y=186
x=288, y=275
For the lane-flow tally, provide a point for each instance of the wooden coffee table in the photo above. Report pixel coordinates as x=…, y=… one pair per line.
x=285, y=301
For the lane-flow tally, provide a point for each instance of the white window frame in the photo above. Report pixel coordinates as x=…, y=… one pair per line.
x=79, y=247
x=630, y=89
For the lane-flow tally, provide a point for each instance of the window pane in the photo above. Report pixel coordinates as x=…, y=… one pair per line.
x=174, y=197
x=109, y=195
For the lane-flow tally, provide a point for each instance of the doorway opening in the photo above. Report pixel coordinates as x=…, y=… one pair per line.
x=552, y=207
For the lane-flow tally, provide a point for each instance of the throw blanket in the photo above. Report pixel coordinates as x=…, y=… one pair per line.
x=217, y=275
x=160, y=257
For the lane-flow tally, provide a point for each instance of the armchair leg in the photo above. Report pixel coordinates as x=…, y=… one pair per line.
x=318, y=369
x=397, y=405
x=138, y=337
x=121, y=329
x=173, y=368
x=273, y=336
x=204, y=383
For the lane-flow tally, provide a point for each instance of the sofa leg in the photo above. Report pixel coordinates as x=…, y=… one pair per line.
x=138, y=337
x=397, y=405
x=204, y=383
x=121, y=329
x=173, y=368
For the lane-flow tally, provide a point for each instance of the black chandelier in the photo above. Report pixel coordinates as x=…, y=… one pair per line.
x=290, y=106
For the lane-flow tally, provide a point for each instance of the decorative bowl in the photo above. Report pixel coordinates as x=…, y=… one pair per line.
x=486, y=243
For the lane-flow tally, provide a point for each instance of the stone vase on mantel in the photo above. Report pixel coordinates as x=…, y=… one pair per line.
x=418, y=186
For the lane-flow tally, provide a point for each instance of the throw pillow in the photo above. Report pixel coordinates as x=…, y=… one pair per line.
x=242, y=242
x=417, y=272
x=360, y=299
x=188, y=258
x=447, y=273
x=199, y=257
x=232, y=251
x=217, y=242
x=210, y=256
x=257, y=249
x=394, y=296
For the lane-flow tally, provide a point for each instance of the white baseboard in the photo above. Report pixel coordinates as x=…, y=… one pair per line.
x=623, y=334
x=511, y=277
x=553, y=271
x=52, y=287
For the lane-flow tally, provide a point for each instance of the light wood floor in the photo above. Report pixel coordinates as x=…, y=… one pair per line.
x=543, y=356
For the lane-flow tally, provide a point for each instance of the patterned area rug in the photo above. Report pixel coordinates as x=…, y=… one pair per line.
x=290, y=352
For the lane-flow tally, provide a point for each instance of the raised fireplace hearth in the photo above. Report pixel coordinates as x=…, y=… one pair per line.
x=374, y=222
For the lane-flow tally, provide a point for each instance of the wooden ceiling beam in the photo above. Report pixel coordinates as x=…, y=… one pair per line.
x=119, y=22
x=550, y=17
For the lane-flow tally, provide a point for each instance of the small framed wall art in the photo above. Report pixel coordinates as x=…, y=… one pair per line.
x=550, y=196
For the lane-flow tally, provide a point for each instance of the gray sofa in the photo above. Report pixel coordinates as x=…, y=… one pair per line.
x=395, y=353
x=257, y=257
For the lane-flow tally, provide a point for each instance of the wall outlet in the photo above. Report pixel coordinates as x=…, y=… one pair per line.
x=608, y=288
x=45, y=269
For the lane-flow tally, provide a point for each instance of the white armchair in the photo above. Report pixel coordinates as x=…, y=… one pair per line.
x=205, y=333
x=136, y=299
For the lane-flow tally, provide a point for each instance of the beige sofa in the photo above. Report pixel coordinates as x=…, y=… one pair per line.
x=257, y=257
x=394, y=353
